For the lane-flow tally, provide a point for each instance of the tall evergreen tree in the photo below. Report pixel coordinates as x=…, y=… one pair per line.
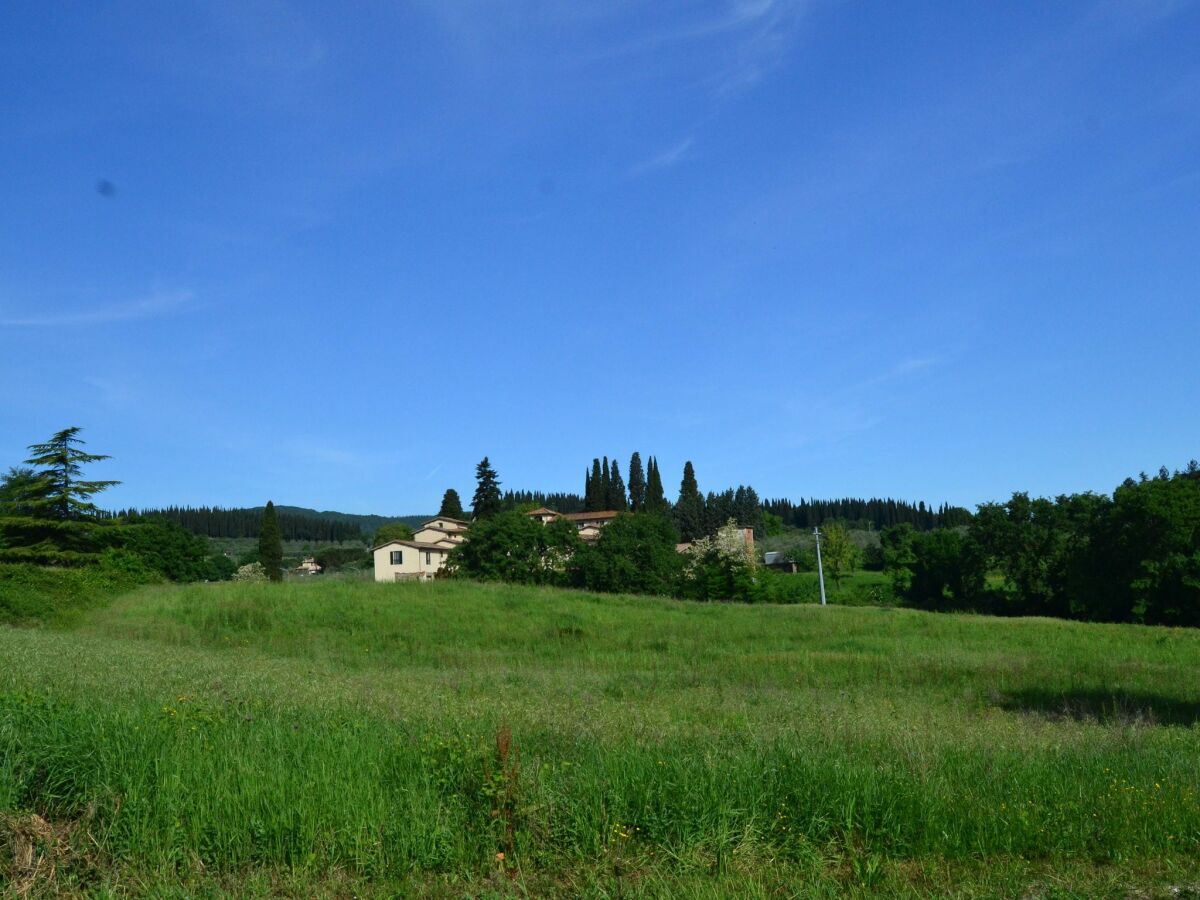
x=746, y=508
x=656, y=498
x=616, y=488
x=486, y=502
x=594, y=499
x=689, y=509
x=605, y=492
x=58, y=491
x=451, y=505
x=637, y=483
x=270, y=544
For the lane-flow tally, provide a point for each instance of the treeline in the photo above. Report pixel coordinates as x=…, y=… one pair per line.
x=1133, y=556
x=558, y=501
x=877, y=513
x=219, y=522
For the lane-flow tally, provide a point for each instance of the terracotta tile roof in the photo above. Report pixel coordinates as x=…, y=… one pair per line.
x=541, y=511
x=600, y=516
x=415, y=545
x=448, y=519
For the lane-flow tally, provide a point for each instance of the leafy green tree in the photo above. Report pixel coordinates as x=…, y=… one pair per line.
x=512, y=547
x=947, y=572
x=616, y=489
x=899, y=555
x=772, y=525
x=62, y=493
x=451, y=505
x=635, y=554
x=486, y=502
x=1149, y=549
x=689, y=508
x=637, y=483
x=656, y=498
x=393, y=531
x=270, y=544
x=839, y=553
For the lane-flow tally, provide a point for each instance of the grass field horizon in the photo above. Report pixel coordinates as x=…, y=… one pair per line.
x=457, y=738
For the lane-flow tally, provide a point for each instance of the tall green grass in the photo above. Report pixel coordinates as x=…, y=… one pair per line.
x=358, y=731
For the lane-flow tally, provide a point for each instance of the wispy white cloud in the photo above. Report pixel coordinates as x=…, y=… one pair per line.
x=671, y=156
x=153, y=306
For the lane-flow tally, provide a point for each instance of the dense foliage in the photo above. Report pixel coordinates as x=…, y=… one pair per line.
x=510, y=546
x=1131, y=557
x=218, y=522
x=875, y=513
x=47, y=519
x=635, y=555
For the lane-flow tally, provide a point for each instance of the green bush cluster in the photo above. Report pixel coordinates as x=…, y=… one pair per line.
x=1131, y=557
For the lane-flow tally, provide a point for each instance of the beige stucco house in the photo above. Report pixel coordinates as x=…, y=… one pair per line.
x=409, y=561
x=442, y=531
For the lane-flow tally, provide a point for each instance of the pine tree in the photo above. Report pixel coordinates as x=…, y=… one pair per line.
x=689, y=509
x=58, y=492
x=656, y=498
x=270, y=544
x=451, y=505
x=616, y=488
x=486, y=502
x=637, y=483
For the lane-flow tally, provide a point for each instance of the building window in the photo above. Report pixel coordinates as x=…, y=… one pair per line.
x=428, y=557
x=397, y=557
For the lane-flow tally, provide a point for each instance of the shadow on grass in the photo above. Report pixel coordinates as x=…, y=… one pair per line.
x=1106, y=707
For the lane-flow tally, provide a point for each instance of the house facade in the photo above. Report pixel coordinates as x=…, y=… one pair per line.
x=409, y=561
x=424, y=556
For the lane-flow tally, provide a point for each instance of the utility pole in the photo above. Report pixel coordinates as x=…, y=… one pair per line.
x=820, y=570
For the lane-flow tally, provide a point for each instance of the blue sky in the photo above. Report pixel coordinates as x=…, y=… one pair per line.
x=938, y=251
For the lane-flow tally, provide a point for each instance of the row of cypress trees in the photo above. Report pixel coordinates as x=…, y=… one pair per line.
x=605, y=489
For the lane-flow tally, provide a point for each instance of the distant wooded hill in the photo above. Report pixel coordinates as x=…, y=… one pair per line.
x=296, y=523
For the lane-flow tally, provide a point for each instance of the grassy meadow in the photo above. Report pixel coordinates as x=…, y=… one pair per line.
x=455, y=739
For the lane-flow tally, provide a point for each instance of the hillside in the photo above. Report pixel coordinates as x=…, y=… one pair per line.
x=455, y=738
x=368, y=523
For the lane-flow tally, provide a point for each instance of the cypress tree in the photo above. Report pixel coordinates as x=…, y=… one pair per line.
x=595, y=499
x=637, y=483
x=451, y=505
x=656, y=498
x=486, y=502
x=270, y=544
x=616, y=488
x=605, y=492
x=689, y=509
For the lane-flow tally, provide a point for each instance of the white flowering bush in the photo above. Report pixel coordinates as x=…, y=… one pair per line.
x=250, y=572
